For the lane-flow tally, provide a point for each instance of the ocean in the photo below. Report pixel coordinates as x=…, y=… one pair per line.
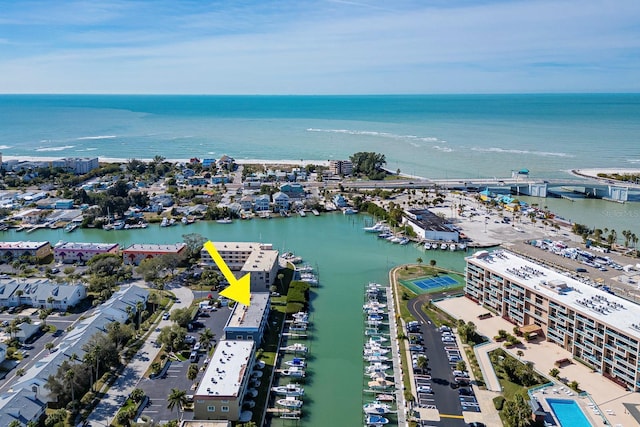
x=439, y=136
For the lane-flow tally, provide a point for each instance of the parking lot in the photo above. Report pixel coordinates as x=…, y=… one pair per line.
x=440, y=386
x=176, y=375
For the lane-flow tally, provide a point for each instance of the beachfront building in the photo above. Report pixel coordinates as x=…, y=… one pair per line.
x=72, y=252
x=597, y=328
x=135, y=253
x=246, y=203
x=429, y=226
x=249, y=322
x=259, y=260
x=223, y=386
x=77, y=165
x=341, y=167
x=40, y=293
x=13, y=250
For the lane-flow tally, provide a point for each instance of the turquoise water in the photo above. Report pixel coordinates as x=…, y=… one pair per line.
x=445, y=136
x=568, y=413
x=347, y=258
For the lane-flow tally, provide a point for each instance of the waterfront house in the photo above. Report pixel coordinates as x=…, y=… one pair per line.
x=294, y=190
x=72, y=252
x=339, y=201
x=221, y=391
x=246, y=203
x=262, y=203
x=280, y=201
x=219, y=179
x=63, y=204
x=600, y=330
x=429, y=226
x=249, y=322
x=137, y=252
x=13, y=250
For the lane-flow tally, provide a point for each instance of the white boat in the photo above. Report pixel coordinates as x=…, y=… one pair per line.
x=376, y=408
x=373, y=344
x=297, y=362
x=315, y=212
x=70, y=227
x=299, y=327
x=427, y=246
x=294, y=371
x=290, y=402
x=118, y=225
x=443, y=246
x=376, y=358
x=376, y=420
x=184, y=220
x=378, y=338
x=375, y=351
x=302, y=213
x=288, y=390
x=377, y=227
x=295, y=348
x=385, y=234
x=224, y=221
x=165, y=222
x=374, y=317
x=462, y=246
x=453, y=246
x=403, y=241
x=349, y=211
x=376, y=367
x=385, y=398
x=373, y=305
x=396, y=239
x=301, y=316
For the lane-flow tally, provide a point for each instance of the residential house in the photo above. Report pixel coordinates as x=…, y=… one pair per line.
x=137, y=252
x=280, y=201
x=72, y=252
x=13, y=250
x=262, y=203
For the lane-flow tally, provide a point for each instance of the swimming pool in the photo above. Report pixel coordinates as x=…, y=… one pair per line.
x=568, y=413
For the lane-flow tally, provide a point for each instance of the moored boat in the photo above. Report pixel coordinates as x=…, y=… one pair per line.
x=376, y=420
x=294, y=371
x=288, y=390
x=290, y=402
x=296, y=362
x=376, y=408
x=295, y=348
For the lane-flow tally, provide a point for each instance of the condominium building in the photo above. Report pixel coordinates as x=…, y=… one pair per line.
x=135, y=253
x=600, y=329
x=220, y=394
x=340, y=167
x=77, y=165
x=12, y=250
x=40, y=293
x=259, y=260
x=249, y=322
x=80, y=252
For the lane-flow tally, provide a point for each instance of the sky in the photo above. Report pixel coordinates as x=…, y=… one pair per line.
x=319, y=46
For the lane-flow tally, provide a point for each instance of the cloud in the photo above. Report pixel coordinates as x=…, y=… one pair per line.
x=338, y=46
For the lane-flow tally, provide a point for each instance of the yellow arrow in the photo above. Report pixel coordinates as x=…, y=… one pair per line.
x=239, y=289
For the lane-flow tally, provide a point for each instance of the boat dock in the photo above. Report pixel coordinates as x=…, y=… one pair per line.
x=285, y=413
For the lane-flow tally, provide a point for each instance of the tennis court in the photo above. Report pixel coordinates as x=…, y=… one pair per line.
x=435, y=282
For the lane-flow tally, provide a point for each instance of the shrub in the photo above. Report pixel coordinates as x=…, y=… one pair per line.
x=498, y=402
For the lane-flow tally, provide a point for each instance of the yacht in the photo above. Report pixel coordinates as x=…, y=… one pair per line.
x=224, y=221
x=376, y=408
x=295, y=348
x=294, y=371
x=70, y=227
x=427, y=246
x=288, y=390
x=376, y=367
x=378, y=227
x=376, y=420
x=296, y=362
x=290, y=402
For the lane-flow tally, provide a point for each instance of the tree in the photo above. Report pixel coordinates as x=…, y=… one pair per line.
x=461, y=365
x=49, y=346
x=206, y=337
x=520, y=353
x=422, y=363
x=517, y=412
x=182, y=316
x=432, y=263
x=419, y=260
x=369, y=164
x=176, y=399
x=137, y=394
x=192, y=372
x=554, y=372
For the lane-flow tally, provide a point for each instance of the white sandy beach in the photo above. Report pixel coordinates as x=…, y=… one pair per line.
x=593, y=173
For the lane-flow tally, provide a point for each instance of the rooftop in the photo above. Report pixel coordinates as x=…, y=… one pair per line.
x=249, y=317
x=427, y=220
x=22, y=245
x=226, y=370
x=606, y=308
x=85, y=246
x=139, y=247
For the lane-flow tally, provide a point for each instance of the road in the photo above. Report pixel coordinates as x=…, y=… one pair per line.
x=128, y=380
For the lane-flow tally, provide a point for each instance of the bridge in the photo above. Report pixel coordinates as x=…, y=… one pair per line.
x=590, y=188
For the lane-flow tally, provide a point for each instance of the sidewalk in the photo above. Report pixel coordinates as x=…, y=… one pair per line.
x=113, y=399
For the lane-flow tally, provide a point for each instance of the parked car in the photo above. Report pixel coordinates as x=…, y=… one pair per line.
x=166, y=315
x=424, y=389
x=465, y=392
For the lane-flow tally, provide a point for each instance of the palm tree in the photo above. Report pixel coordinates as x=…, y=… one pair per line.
x=69, y=377
x=139, y=307
x=419, y=260
x=43, y=316
x=206, y=337
x=176, y=399
x=49, y=346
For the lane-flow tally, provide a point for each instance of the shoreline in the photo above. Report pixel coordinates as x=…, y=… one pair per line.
x=593, y=173
x=287, y=162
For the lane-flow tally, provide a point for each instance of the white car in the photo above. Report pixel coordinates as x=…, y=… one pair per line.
x=424, y=389
x=165, y=316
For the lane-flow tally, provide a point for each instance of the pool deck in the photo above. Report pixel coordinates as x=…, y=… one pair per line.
x=589, y=408
x=615, y=404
